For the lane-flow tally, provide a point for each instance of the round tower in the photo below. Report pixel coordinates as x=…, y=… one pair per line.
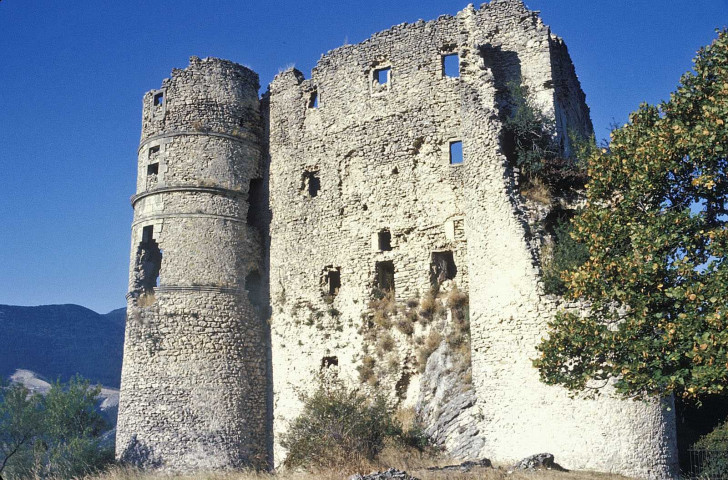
x=193, y=389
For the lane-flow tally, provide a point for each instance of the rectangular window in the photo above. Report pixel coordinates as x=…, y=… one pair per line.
x=381, y=75
x=159, y=99
x=334, y=281
x=148, y=234
x=385, y=276
x=456, y=153
x=153, y=151
x=385, y=241
x=451, y=65
x=153, y=169
x=313, y=100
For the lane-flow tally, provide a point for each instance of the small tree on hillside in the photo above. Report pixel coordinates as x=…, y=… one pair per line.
x=20, y=424
x=56, y=436
x=655, y=229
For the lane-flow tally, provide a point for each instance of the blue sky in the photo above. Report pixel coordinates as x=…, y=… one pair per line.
x=72, y=75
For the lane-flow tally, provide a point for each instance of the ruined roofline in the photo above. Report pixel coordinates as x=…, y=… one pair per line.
x=512, y=8
x=196, y=62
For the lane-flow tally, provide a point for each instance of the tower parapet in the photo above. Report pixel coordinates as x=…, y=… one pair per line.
x=194, y=375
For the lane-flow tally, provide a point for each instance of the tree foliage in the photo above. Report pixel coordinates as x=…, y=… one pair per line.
x=655, y=229
x=566, y=254
x=56, y=435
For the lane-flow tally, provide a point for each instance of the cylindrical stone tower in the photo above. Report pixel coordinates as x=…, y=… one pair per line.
x=193, y=389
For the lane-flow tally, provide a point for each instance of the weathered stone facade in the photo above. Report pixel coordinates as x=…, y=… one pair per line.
x=355, y=187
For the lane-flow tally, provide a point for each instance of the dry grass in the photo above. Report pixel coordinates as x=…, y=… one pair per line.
x=537, y=191
x=412, y=465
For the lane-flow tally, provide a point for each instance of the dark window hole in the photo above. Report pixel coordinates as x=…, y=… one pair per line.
x=328, y=362
x=159, y=99
x=442, y=267
x=384, y=238
x=385, y=276
x=311, y=183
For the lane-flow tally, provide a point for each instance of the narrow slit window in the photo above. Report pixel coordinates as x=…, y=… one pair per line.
x=313, y=99
x=451, y=65
x=333, y=279
x=153, y=169
x=159, y=99
x=385, y=241
x=456, y=153
x=148, y=234
x=382, y=75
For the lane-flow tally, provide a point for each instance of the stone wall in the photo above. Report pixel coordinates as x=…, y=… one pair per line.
x=193, y=392
x=301, y=208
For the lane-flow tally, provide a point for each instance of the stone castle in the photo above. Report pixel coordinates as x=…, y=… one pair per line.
x=267, y=230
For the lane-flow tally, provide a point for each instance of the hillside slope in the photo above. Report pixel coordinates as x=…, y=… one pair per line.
x=58, y=341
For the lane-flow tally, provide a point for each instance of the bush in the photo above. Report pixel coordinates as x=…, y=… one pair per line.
x=340, y=426
x=566, y=255
x=713, y=452
x=58, y=435
x=531, y=146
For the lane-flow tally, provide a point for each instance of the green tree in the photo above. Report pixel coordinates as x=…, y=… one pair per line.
x=20, y=425
x=72, y=428
x=53, y=436
x=655, y=229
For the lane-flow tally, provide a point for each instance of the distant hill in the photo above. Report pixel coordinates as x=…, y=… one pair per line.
x=58, y=341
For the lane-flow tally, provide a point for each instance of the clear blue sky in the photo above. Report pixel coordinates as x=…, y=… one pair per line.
x=72, y=75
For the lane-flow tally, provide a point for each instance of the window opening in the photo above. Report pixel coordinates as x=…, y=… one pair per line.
x=333, y=281
x=148, y=263
x=382, y=75
x=159, y=99
x=311, y=183
x=456, y=153
x=153, y=169
x=313, y=100
x=442, y=267
x=451, y=65
x=153, y=151
x=147, y=234
x=328, y=362
x=384, y=239
x=385, y=276
x=256, y=204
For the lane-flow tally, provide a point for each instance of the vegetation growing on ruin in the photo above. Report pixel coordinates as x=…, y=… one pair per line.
x=532, y=147
x=398, y=336
x=655, y=229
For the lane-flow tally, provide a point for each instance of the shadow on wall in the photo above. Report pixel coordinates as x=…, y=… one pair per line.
x=140, y=455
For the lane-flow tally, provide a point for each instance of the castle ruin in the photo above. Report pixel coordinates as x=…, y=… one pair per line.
x=263, y=227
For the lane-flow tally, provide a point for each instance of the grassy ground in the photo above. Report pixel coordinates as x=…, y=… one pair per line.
x=413, y=462
x=478, y=473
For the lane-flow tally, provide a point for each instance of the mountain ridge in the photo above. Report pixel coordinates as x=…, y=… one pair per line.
x=59, y=341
